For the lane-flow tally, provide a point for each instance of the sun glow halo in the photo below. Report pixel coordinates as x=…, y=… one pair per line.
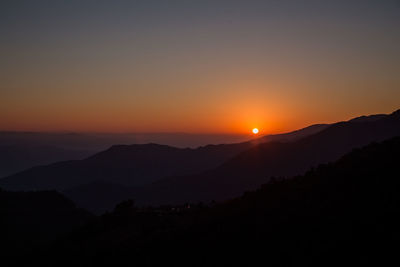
x=255, y=131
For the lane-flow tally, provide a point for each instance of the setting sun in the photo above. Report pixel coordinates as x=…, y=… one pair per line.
x=255, y=131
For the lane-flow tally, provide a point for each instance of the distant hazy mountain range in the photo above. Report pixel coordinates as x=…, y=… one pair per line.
x=129, y=164
x=257, y=165
x=18, y=157
x=159, y=174
x=22, y=150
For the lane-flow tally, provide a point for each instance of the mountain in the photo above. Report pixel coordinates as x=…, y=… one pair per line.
x=342, y=212
x=295, y=135
x=22, y=150
x=134, y=165
x=370, y=118
x=256, y=165
x=123, y=164
x=247, y=170
x=157, y=174
x=101, y=141
x=18, y=157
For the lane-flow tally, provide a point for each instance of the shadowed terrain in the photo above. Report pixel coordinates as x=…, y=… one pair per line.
x=155, y=174
x=346, y=211
x=32, y=219
x=135, y=164
x=251, y=168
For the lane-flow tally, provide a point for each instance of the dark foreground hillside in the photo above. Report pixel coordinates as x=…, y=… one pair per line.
x=345, y=213
x=31, y=219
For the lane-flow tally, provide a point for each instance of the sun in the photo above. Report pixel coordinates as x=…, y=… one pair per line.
x=255, y=131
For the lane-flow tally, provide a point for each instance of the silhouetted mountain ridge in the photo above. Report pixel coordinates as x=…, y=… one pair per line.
x=256, y=165
x=295, y=135
x=134, y=165
x=252, y=167
x=17, y=157
x=347, y=211
x=368, y=118
x=160, y=174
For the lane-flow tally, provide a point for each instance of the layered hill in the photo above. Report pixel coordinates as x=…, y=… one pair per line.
x=156, y=174
x=258, y=164
x=247, y=170
x=18, y=157
x=133, y=165
x=342, y=212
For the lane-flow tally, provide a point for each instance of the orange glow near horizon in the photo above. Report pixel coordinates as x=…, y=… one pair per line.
x=231, y=117
x=229, y=113
x=202, y=68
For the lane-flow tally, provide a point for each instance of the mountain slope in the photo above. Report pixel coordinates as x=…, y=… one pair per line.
x=344, y=212
x=134, y=165
x=122, y=164
x=247, y=170
x=30, y=219
x=295, y=135
x=17, y=157
x=255, y=166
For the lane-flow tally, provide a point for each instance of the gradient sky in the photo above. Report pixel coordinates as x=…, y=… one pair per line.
x=195, y=66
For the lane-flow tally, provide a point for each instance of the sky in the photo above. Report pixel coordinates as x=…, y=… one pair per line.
x=195, y=66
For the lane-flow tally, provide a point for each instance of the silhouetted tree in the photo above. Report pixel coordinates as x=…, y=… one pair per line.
x=125, y=207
